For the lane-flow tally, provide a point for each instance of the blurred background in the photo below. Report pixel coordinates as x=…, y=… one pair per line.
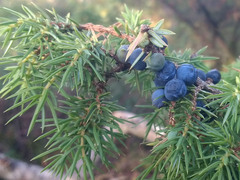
x=197, y=23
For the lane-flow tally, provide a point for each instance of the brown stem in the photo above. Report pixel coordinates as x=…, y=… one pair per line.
x=236, y=154
x=187, y=122
x=171, y=114
x=95, y=28
x=102, y=29
x=82, y=144
x=206, y=85
x=194, y=101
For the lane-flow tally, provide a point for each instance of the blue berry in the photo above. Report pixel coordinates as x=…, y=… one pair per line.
x=175, y=89
x=200, y=103
x=158, y=98
x=215, y=75
x=165, y=40
x=122, y=53
x=207, y=117
x=166, y=74
x=140, y=65
x=201, y=74
x=156, y=62
x=187, y=73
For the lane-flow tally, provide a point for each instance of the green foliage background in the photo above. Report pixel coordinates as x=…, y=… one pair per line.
x=188, y=34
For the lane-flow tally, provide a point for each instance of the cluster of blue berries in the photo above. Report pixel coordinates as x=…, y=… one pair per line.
x=155, y=62
x=170, y=80
x=122, y=53
x=173, y=81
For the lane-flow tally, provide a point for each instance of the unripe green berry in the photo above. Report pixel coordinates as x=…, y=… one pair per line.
x=122, y=53
x=156, y=62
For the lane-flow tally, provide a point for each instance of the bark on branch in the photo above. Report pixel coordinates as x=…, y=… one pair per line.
x=103, y=30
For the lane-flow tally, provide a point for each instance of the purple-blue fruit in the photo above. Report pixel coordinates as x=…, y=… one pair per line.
x=207, y=117
x=158, y=98
x=175, y=89
x=122, y=53
x=215, y=75
x=140, y=65
x=187, y=73
x=156, y=62
x=201, y=74
x=165, y=40
x=200, y=103
x=167, y=73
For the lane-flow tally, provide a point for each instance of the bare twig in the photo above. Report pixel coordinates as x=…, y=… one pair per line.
x=103, y=30
x=206, y=85
x=171, y=114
